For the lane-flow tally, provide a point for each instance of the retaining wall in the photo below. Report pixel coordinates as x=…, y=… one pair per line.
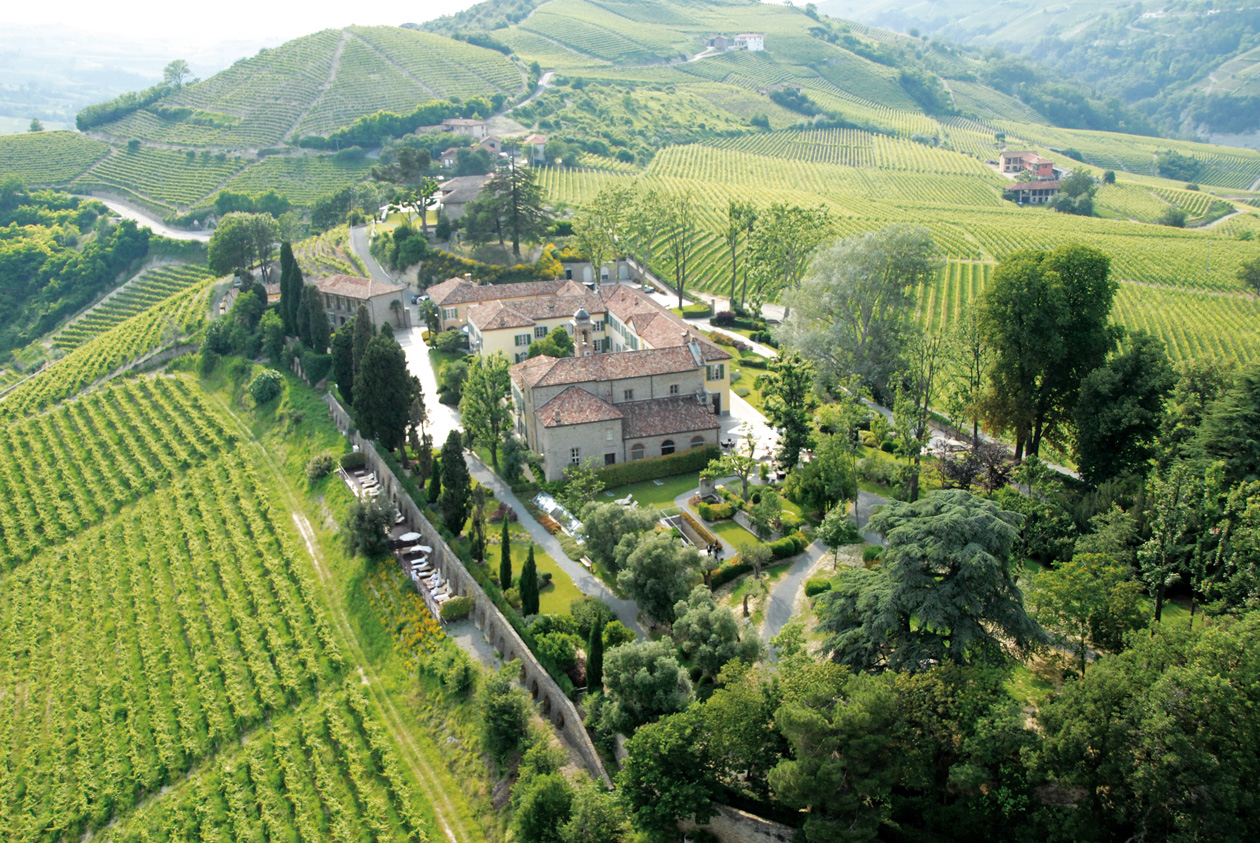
x=731, y=825
x=552, y=702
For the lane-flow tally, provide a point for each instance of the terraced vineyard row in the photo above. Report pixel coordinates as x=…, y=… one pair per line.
x=148, y=645
x=166, y=177
x=125, y=342
x=326, y=772
x=300, y=180
x=328, y=253
x=65, y=471
x=447, y=68
x=48, y=158
x=142, y=292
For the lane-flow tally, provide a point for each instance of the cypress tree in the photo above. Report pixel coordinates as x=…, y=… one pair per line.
x=456, y=484
x=303, y=321
x=435, y=483
x=343, y=361
x=595, y=658
x=363, y=333
x=382, y=395
x=287, y=263
x=321, y=332
x=297, y=286
x=505, y=559
x=529, y=585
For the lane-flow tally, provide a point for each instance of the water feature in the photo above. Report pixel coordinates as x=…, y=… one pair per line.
x=563, y=517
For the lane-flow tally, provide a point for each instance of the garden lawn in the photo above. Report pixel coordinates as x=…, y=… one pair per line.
x=651, y=496
x=1027, y=687
x=747, y=376
x=555, y=598
x=732, y=533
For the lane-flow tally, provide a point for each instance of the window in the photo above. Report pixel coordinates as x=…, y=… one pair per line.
x=667, y=447
x=598, y=345
x=539, y=332
x=575, y=456
x=636, y=452
x=599, y=325
x=673, y=389
x=450, y=312
x=520, y=357
x=697, y=441
x=717, y=371
x=326, y=304
x=627, y=395
x=610, y=459
x=522, y=340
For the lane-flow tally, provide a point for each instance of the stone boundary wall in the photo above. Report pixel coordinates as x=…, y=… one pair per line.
x=731, y=825
x=552, y=702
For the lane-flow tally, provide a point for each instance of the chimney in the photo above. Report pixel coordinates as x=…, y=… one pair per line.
x=693, y=347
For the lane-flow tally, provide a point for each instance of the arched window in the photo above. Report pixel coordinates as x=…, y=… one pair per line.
x=636, y=452
x=667, y=447
x=697, y=441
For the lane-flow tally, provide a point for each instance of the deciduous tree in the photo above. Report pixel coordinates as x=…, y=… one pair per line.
x=788, y=389
x=780, y=246
x=709, y=635
x=658, y=573
x=644, y=682
x=483, y=406
x=669, y=773
x=456, y=484
x=676, y=221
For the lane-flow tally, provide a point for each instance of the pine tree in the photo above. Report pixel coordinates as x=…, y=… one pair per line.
x=595, y=658
x=505, y=558
x=287, y=263
x=343, y=361
x=529, y=585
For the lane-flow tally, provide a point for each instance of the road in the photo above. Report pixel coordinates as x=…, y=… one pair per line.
x=148, y=220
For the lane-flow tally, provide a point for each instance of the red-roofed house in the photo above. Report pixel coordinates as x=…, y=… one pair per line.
x=537, y=145
x=342, y=295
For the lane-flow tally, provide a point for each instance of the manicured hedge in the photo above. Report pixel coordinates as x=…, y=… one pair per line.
x=813, y=587
x=701, y=530
x=715, y=511
x=457, y=608
x=353, y=460
x=655, y=468
x=754, y=361
x=784, y=548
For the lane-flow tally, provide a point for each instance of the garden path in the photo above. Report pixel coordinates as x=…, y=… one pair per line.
x=625, y=610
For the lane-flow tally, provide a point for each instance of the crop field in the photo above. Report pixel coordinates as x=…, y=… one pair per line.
x=300, y=180
x=163, y=176
x=48, y=158
x=328, y=253
x=167, y=668
x=126, y=342
x=1191, y=323
x=141, y=293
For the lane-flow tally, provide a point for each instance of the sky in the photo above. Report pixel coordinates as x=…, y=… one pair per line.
x=198, y=24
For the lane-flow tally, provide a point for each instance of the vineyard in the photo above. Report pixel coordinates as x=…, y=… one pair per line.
x=142, y=292
x=178, y=675
x=1192, y=324
x=48, y=158
x=170, y=179
x=300, y=180
x=126, y=342
x=328, y=254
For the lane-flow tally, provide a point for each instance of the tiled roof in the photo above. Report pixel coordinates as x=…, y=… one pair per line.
x=606, y=367
x=655, y=324
x=355, y=287
x=527, y=371
x=527, y=311
x=664, y=416
x=575, y=406
x=462, y=189
x=535, y=138
x=573, y=288
x=461, y=291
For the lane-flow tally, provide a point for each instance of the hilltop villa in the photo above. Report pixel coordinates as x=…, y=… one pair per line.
x=342, y=295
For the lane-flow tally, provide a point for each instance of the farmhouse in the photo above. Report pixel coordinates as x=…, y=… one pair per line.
x=537, y=146
x=613, y=408
x=476, y=129
x=458, y=192
x=753, y=42
x=1018, y=162
x=1032, y=192
x=343, y=294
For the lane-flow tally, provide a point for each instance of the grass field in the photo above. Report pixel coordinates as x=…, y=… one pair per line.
x=653, y=495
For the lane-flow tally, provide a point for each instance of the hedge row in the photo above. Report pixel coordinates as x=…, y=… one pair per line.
x=715, y=511
x=701, y=530
x=655, y=468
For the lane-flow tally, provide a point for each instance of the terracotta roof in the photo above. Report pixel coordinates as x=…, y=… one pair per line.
x=528, y=371
x=575, y=406
x=663, y=416
x=574, y=288
x=528, y=311
x=655, y=324
x=461, y=291
x=355, y=287
x=535, y=138
x=607, y=367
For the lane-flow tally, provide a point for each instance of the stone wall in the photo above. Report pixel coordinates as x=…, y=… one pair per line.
x=552, y=702
x=731, y=825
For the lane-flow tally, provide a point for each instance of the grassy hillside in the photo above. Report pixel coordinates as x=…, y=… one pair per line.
x=318, y=84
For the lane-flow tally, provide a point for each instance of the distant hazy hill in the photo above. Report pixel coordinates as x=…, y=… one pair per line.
x=1191, y=66
x=318, y=84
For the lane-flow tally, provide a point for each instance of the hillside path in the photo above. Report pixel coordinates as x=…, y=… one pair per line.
x=333, y=67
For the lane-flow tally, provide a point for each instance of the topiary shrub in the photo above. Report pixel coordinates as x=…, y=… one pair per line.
x=457, y=608
x=266, y=386
x=816, y=585
x=715, y=511
x=783, y=548
x=871, y=554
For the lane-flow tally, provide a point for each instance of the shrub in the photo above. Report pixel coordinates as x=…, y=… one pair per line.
x=871, y=553
x=784, y=548
x=723, y=319
x=728, y=571
x=753, y=361
x=700, y=529
x=451, y=341
x=457, y=608
x=715, y=511
x=354, y=460
x=623, y=474
x=266, y=386
x=617, y=633
x=315, y=366
x=320, y=466
x=814, y=586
